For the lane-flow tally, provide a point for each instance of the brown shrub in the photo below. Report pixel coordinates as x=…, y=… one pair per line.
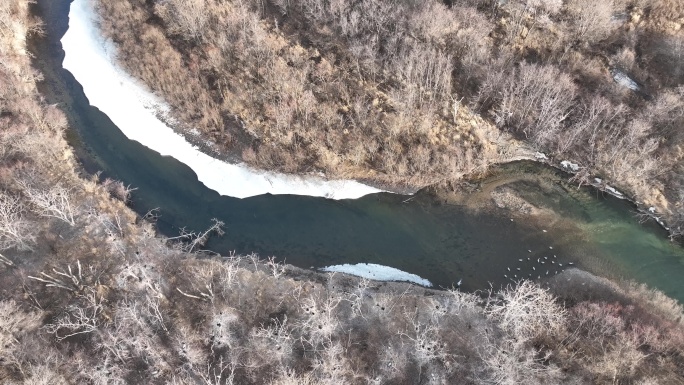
x=667, y=10
x=533, y=100
x=591, y=21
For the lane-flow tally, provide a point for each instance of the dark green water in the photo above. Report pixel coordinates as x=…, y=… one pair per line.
x=440, y=241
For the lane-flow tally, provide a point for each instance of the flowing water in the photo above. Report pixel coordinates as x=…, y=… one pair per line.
x=441, y=237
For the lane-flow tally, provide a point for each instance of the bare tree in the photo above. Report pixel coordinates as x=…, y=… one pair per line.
x=427, y=72
x=629, y=150
x=104, y=372
x=461, y=302
x=274, y=342
x=277, y=269
x=43, y=374
x=526, y=311
x=15, y=230
x=79, y=318
x=189, y=347
x=358, y=296
x=523, y=313
x=118, y=190
x=291, y=377
x=591, y=20
x=6, y=260
x=507, y=362
x=222, y=373
x=74, y=281
x=320, y=320
x=188, y=18
x=524, y=14
x=590, y=123
x=193, y=240
x=667, y=114
x=331, y=366
x=532, y=99
x=14, y=324
x=426, y=344
x=52, y=202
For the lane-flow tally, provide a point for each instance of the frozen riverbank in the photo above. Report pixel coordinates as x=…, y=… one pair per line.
x=134, y=110
x=377, y=273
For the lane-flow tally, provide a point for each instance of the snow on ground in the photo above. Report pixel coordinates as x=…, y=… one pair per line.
x=378, y=273
x=622, y=79
x=569, y=165
x=133, y=109
x=615, y=192
x=612, y=190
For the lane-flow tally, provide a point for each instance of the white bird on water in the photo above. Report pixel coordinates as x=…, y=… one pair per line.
x=533, y=268
x=508, y=268
x=459, y=282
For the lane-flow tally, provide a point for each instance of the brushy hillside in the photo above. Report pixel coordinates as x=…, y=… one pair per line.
x=89, y=295
x=422, y=92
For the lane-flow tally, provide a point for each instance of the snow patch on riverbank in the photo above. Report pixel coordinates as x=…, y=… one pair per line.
x=570, y=166
x=602, y=185
x=622, y=79
x=134, y=110
x=377, y=273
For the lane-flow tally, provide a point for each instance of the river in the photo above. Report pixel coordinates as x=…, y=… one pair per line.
x=441, y=237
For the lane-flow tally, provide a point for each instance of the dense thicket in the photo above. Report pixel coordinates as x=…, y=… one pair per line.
x=310, y=102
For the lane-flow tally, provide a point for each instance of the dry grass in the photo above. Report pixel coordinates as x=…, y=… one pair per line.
x=667, y=14
x=300, y=108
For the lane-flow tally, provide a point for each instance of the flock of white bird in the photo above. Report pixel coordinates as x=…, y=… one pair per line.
x=550, y=265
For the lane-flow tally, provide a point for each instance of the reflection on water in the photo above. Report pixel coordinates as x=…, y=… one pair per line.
x=440, y=237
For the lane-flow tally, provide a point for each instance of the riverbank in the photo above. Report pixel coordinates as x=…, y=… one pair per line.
x=373, y=133
x=223, y=178
x=146, y=118
x=87, y=40
x=583, y=177
x=137, y=113
x=388, y=148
